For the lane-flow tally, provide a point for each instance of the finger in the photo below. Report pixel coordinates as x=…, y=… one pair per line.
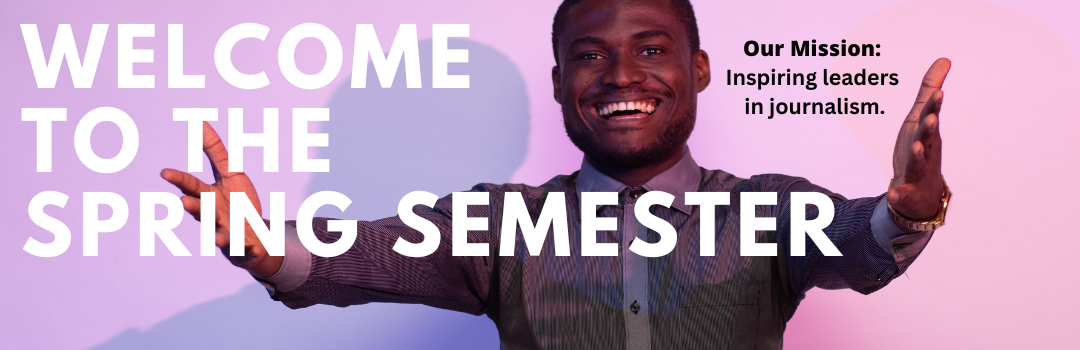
x=902, y=199
x=217, y=174
x=917, y=151
x=193, y=206
x=187, y=183
x=899, y=197
x=221, y=239
x=928, y=125
x=215, y=150
x=930, y=137
x=933, y=79
x=916, y=162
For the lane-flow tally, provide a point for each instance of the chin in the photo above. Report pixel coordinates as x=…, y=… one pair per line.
x=626, y=155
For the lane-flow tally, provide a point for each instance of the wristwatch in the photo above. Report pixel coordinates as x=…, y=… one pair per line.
x=922, y=226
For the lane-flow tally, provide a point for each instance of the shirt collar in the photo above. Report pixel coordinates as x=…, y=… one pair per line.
x=684, y=176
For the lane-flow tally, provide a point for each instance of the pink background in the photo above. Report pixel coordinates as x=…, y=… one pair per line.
x=997, y=277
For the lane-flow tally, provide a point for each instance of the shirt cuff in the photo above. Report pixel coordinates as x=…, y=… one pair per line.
x=903, y=246
x=295, y=267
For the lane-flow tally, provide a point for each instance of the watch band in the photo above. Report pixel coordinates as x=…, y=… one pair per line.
x=921, y=226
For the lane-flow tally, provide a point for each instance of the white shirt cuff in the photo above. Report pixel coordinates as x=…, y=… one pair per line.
x=902, y=245
x=295, y=267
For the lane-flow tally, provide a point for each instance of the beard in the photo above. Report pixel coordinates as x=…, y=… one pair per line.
x=671, y=140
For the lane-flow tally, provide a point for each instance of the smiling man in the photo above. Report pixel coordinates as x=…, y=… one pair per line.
x=627, y=76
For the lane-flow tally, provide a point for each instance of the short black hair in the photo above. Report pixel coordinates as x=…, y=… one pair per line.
x=684, y=12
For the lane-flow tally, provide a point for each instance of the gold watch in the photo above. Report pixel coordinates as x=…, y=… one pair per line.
x=922, y=226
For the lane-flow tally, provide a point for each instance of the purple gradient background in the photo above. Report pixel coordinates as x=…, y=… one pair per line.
x=997, y=277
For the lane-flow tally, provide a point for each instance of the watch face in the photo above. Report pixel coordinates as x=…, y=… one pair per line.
x=944, y=204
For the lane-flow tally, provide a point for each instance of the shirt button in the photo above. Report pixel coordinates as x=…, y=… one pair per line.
x=635, y=307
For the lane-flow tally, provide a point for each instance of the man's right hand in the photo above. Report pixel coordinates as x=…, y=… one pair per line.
x=255, y=259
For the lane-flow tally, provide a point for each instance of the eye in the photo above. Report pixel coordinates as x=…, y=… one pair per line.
x=651, y=51
x=589, y=56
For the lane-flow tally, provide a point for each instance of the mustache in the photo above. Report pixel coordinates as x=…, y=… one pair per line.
x=588, y=99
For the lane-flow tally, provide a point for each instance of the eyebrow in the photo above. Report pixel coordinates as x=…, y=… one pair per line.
x=587, y=40
x=642, y=35
x=652, y=33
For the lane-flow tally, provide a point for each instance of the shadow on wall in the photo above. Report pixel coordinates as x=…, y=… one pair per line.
x=384, y=143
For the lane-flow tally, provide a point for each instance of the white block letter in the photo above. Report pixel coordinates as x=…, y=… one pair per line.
x=428, y=229
x=441, y=56
x=148, y=226
x=301, y=140
x=386, y=66
x=462, y=224
x=127, y=56
x=207, y=224
x=287, y=56
x=195, y=118
x=346, y=227
x=663, y=228
x=82, y=74
x=707, y=231
x=44, y=118
x=749, y=224
x=815, y=228
x=268, y=139
x=62, y=234
x=177, y=79
x=223, y=55
x=590, y=224
x=92, y=225
x=129, y=136
x=272, y=238
x=516, y=215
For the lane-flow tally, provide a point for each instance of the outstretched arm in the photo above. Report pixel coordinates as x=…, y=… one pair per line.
x=875, y=249
x=368, y=272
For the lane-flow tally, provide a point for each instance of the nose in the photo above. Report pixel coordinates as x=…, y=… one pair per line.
x=622, y=71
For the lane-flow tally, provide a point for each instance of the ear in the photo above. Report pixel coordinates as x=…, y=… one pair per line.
x=556, y=83
x=702, y=74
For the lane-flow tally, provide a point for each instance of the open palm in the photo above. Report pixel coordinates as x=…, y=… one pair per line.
x=255, y=259
x=917, y=185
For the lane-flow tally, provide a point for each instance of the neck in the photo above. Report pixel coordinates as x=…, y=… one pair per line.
x=638, y=176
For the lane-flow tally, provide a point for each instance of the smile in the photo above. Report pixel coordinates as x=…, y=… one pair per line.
x=627, y=109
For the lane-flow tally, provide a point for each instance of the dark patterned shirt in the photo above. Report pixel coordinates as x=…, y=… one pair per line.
x=680, y=300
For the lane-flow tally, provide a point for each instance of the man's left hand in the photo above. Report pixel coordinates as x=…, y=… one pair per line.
x=917, y=187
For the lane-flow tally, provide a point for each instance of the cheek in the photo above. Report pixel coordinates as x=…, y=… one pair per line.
x=578, y=81
x=677, y=77
x=575, y=126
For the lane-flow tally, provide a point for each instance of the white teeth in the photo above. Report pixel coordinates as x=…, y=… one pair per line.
x=646, y=106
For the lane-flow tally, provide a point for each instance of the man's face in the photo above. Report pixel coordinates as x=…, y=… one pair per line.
x=628, y=81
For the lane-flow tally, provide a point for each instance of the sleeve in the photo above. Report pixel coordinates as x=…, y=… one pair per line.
x=873, y=250
x=371, y=271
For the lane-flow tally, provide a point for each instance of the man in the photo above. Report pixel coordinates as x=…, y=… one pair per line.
x=627, y=76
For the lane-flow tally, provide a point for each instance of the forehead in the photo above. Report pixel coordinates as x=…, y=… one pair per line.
x=620, y=19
